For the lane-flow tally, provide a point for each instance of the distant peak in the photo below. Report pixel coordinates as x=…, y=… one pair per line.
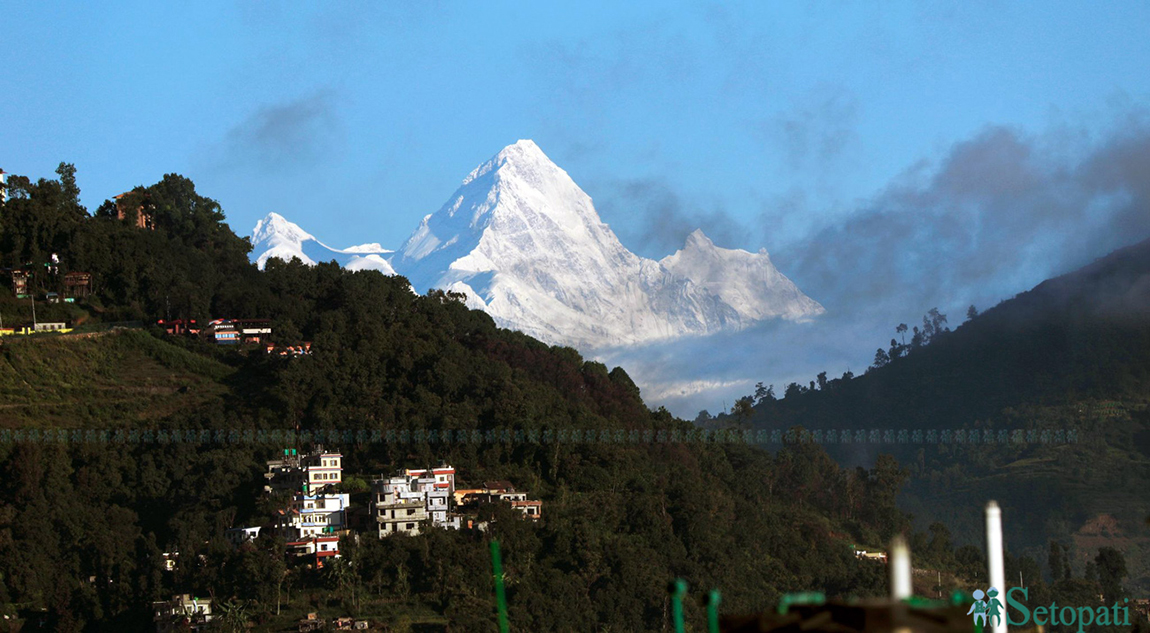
x=274, y=219
x=523, y=156
x=274, y=225
x=524, y=145
x=523, y=151
x=699, y=239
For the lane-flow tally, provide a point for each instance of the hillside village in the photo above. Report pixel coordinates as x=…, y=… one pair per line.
x=317, y=515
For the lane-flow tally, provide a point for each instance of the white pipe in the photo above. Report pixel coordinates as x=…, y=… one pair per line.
x=898, y=560
x=994, y=559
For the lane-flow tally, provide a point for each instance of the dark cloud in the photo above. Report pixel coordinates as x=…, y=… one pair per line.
x=996, y=217
x=285, y=136
x=662, y=219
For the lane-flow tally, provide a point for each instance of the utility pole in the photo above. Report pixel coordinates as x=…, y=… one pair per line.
x=32, y=298
x=994, y=557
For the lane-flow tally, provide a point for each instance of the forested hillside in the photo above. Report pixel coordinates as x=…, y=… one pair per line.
x=1040, y=402
x=85, y=516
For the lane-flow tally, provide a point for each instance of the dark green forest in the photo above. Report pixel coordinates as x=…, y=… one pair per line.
x=399, y=380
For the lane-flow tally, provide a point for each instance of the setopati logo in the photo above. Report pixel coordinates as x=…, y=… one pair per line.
x=987, y=610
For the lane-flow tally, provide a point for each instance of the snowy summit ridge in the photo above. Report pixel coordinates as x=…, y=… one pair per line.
x=525, y=244
x=280, y=238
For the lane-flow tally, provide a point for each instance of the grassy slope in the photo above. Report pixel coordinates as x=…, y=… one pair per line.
x=100, y=380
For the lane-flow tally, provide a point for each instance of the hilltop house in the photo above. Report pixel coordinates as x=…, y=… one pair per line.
x=222, y=332
x=237, y=331
x=143, y=209
x=253, y=330
x=179, y=327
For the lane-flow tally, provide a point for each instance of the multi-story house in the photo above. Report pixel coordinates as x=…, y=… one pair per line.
x=315, y=508
x=312, y=515
x=444, y=476
x=321, y=469
x=417, y=498
x=222, y=332
x=310, y=473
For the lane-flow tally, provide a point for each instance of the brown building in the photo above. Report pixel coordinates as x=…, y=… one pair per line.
x=77, y=285
x=143, y=209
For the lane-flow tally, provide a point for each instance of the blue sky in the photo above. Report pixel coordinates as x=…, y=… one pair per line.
x=790, y=126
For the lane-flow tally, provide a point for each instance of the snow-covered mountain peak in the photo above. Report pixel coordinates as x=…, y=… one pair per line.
x=698, y=245
x=276, y=229
x=748, y=282
x=276, y=236
x=517, y=210
x=698, y=239
x=524, y=243
x=522, y=157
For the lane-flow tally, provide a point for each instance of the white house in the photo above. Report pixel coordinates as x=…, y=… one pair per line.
x=313, y=515
x=239, y=535
x=319, y=547
x=405, y=503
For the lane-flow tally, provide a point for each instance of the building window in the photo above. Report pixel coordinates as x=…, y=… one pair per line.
x=411, y=526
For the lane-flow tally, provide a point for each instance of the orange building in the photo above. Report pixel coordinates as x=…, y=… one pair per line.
x=143, y=210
